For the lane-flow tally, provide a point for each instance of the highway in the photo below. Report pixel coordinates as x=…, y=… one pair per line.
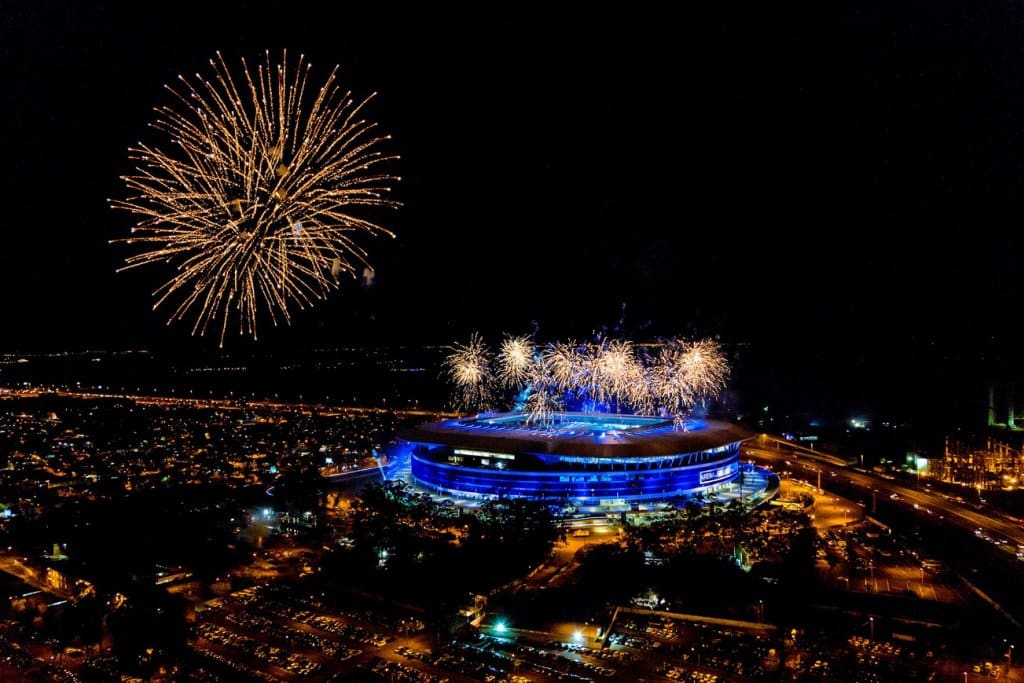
x=16, y=568
x=322, y=409
x=998, y=528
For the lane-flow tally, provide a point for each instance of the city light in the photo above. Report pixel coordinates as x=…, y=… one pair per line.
x=679, y=358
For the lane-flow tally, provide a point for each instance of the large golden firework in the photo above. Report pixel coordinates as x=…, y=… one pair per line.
x=252, y=196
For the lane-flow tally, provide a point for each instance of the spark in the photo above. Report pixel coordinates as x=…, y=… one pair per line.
x=574, y=368
x=469, y=368
x=541, y=404
x=687, y=372
x=567, y=365
x=706, y=367
x=515, y=359
x=543, y=397
x=254, y=196
x=618, y=376
x=610, y=373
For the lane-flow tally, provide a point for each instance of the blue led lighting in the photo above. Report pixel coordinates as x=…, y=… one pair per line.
x=497, y=462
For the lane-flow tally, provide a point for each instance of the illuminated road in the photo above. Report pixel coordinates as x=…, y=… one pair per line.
x=1003, y=530
x=322, y=409
x=13, y=566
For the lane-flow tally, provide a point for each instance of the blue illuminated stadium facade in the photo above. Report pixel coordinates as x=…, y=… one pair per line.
x=590, y=458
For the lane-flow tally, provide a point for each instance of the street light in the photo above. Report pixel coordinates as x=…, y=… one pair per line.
x=871, y=621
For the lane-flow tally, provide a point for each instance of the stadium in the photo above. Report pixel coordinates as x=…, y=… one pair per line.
x=593, y=459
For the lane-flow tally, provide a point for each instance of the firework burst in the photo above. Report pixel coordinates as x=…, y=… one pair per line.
x=613, y=374
x=686, y=372
x=515, y=361
x=567, y=366
x=254, y=195
x=543, y=394
x=706, y=367
x=670, y=381
x=469, y=368
x=541, y=403
x=618, y=376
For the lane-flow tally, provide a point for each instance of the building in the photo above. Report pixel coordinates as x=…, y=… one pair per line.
x=593, y=459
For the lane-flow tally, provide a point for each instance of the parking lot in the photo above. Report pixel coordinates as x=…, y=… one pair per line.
x=280, y=634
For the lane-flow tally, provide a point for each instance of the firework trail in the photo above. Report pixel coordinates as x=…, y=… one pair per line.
x=684, y=373
x=253, y=197
x=543, y=394
x=469, y=368
x=567, y=366
x=706, y=368
x=618, y=376
x=611, y=373
x=515, y=361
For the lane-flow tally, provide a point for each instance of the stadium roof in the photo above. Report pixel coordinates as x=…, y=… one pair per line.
x=660, y=439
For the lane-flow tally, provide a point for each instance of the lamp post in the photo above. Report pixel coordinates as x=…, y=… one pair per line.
x=871, y=621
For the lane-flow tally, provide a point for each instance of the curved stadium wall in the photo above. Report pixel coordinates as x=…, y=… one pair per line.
x=590, y=458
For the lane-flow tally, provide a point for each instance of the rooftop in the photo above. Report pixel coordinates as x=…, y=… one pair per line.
x=587, y=434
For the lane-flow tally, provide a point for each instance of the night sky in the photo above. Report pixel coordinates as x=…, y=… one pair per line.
x=834, y=186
